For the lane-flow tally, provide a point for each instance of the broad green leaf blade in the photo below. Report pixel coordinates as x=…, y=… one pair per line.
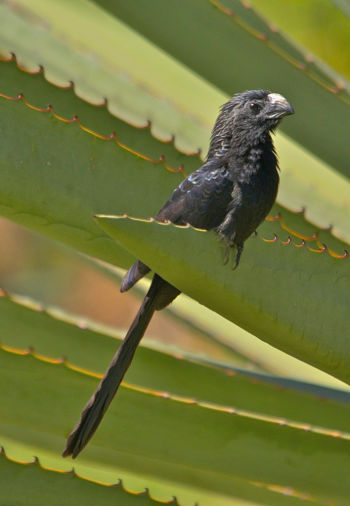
x=25, y=483
x=295, y=287
x=222, y=28
x=260, y=355
x=55, y=335
x=203, y=446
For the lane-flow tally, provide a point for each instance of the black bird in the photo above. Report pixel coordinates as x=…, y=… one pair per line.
x=230, y=193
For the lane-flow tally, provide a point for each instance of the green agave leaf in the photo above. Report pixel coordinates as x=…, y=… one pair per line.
x=25, y=483
x=225, y=450
x=307, y=22
x=212, y=28
x=90, y=349
x=318, y=188
x=261, y=356
x=296, y=286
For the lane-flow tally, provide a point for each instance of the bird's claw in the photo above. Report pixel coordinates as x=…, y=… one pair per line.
x=238, y=256
x=229, y=247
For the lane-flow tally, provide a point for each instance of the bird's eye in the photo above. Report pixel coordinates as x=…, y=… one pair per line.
x=255, y=107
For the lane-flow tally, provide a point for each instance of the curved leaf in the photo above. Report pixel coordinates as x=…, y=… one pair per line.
x=295, y=286
x=260, y=355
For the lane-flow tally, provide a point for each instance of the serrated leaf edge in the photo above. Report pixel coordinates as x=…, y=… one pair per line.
x=322, y=248
x=302, y=66
x=104, y=103
x=118, y=484
x=112, y=137
x=230, y=410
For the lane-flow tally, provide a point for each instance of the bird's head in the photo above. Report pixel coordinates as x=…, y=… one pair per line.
x=247, y=118
x=258, y=109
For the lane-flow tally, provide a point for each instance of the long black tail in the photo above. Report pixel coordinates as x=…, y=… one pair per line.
x=159, y=295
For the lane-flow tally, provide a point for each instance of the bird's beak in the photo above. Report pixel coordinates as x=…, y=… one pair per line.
x=279, y=106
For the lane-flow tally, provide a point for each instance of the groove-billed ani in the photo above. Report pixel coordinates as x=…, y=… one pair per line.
x=230, y=193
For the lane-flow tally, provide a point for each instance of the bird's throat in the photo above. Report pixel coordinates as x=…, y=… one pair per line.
x=249, y=156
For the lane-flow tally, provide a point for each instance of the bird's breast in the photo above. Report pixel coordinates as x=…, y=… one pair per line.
x=256, y=198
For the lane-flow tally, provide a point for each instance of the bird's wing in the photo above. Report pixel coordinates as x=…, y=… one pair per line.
x=201, y=199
